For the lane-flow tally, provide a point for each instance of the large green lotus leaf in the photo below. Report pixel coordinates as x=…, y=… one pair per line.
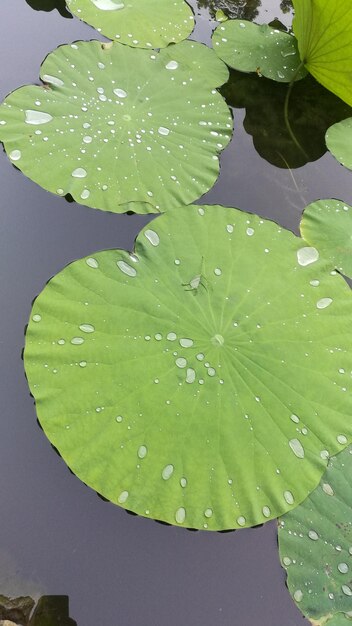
x=339, y=141
x=315, y=542
x=258, y=48
x=138, y=23
x=312, y=110
x=110, y=136
x=324, y=32
x=196, y=380
x=327, y=225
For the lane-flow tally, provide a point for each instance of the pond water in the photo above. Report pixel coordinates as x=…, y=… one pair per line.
x=57, y=536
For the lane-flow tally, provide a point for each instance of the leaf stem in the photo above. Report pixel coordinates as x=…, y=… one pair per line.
x=287, y=100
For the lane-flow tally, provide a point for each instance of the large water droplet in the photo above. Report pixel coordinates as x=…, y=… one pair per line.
x=108, y=5
x=343, y=568
x=313, y=535
x=241, y=521
x=298, y=595
x=123, y=497
x=79, y=172
x=323, y=303
x=37, y=117
x=297, y=448
x=186, y=343
x=53, y=80
x=15, y=155
x=142, y=452
x=181, y=362
x=167, y=472
x=191, y=375
x=172, y=65
x=87, y=328
x=126, y=269
x=163, y=131
x=180, y=515
x=152, y=237
x=289, y=497
x=92, y=263
x=120, y=93
x=307, y=255
x=328, y=489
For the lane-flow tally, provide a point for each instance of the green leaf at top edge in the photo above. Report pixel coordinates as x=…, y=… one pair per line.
x=324, y=32
x=197, y=380
x=112, y=137
x=137, y=23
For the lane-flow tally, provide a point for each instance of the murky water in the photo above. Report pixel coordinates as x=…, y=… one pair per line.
x=56, y=536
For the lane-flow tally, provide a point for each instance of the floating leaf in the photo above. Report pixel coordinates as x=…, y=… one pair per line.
x=220, y=16
x=196, y=380
x=315, y=542
x=339, y=141
x=258, y=48
x=324, y=32
x=327, y=225
x=138, y=23
x=111, y=136
x=312, y=110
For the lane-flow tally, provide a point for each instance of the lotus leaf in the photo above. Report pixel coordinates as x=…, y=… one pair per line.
x=315, y=543
x=196, y=380
x=138, y=23
x=258, y=48
x=324, y=32
x=339, y=141
x=327, y=225
x=110, y=136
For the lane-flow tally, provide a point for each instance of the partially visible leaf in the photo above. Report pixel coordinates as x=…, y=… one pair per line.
x=327, y=225
x=339, y=142
x=257, y=48
x=138, y=23
x=196, y=381
x=312, y=110
x=52, y=611
x=315, y=543
x=220, y=16
x=116, y=139
x=16, y=609
x=324, y=32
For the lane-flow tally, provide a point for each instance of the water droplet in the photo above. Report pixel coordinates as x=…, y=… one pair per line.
x=123, y=497
x=294, y=418
x=92, y=263
x=15, y=155
x=266, y=511
x=229, y=228
x=172, y=65
x=296, y=448
x=152, y=237
x=180, y=515
x=341, y=439
x=211, y=371
x=191, y=375
x=85, y=194
x=343, y=568
x=79, y=172
x=142, y=452
x=37, y=117
x=241, y=521
x=171, y=336
x=217, y=340
x=120, y=93
x=36, y=317
x=346, y=590
x=306, y=256
x=163, y=131
x=298, y=595
x=87, y=328
x=83, y=363
x=208, y=513
x=87, y=139
x=77, y=341
x=108, y=5
x=186, y=343
x=289, y=497
x=53, y=80
x=286, y=561
x=167, y=472
x=313, y=535
x=250, y=232
x=217, y=271
x=119, y=418
x=183, y=482
x=328, y=489
x=314, y=283
x=323, y=303
x=126, y=269
x=181, y=362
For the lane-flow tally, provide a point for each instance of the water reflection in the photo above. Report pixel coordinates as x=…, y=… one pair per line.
x=312, y=109
x=49, y=611
x=50, y=5
x=241, y=9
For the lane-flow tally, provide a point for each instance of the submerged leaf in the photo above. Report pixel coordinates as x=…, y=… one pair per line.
x=315, y=542
x=339, y=142
x=324, y=32
x=138, y=23
x=258, y=48
x=327, y=225
x=110, y=136
x=184, y=381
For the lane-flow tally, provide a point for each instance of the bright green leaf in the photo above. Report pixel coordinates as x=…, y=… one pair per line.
x=324, y=32
x=220, y=16
x=257, y=48
x=196, y=381
x=327, y=225
x=110, y=136
x=339, y=142
x=138, y=23
x=315, y=542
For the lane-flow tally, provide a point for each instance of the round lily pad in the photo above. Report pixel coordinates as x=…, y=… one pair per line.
x=339, y=141
x=138, y=23
x=117, y=139
x=250, y=47
x=327, y=225
x=196, y=380
x=315, y=543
